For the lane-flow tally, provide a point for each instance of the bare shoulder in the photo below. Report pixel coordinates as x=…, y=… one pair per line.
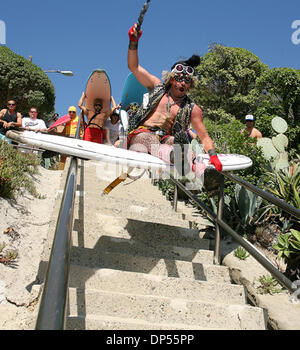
x=88, y=112
x=197, y=108
x=258, y=134
x=196, y=112
x=2, y=112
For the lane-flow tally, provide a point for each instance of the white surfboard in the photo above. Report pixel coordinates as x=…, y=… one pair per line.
x=229, y=161
x=88, y=150
x=109, y=154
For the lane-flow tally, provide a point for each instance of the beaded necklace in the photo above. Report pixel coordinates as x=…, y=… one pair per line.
x=174, y=103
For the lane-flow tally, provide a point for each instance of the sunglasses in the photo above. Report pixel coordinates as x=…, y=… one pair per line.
x=180, y=68
x=98, y=105
x=72, y=112
x=33, y=112
x=11, y=104
x=180, y=78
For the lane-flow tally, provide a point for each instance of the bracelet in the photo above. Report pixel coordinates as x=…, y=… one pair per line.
x=212, y=152
x=133, y=45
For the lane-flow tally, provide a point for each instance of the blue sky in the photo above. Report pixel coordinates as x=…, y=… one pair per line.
x=84, y=35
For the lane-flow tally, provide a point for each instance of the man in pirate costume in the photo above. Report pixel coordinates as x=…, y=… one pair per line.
x=155, y=128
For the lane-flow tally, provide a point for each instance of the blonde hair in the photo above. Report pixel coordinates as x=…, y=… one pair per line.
x=166, y=77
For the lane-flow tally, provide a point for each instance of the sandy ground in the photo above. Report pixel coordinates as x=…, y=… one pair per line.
x=29, y=220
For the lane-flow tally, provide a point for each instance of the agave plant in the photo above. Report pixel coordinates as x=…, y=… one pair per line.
x=248, y=204
x=242, y=210
x=285, y=184
x=241, y=253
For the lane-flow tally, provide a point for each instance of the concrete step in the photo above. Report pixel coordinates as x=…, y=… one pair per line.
x=137, y=264
x=132, y=209
x=124, y=198
x=147, y=284
x=99, y=322
x=99, y=258
x=152, y=250
x=165, y=310
x=145, y=232
x=97, y=176
x=137, y=210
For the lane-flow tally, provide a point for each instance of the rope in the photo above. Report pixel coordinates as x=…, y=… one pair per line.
x=141, y=16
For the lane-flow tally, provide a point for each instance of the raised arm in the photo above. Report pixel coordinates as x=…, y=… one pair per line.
x=143, y=76
x=114, y=105
x=80, y=104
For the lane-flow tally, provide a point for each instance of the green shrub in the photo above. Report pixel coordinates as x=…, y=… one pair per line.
x=16, y=170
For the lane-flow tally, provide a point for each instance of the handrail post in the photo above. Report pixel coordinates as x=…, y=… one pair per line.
x=175, y=197
x=220, y=217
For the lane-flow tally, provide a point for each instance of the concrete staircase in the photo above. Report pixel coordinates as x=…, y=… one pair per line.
x=136, y=264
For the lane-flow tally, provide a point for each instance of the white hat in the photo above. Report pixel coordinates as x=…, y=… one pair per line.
x=250, y=117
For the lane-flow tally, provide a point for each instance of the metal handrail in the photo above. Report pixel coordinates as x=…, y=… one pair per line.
x=54, y=298
x=266, y=195
x=53, y=306
x=266, y=263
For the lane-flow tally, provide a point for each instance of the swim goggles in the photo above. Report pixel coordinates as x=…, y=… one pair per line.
x=180, y=68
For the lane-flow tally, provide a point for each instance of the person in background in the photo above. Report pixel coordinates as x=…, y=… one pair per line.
x=10, y=119
x=71, y=126
x=32, y=122
x=112, y=126
x=250, y=129
x=191, y=133
x=69, y=130
x=95, y=130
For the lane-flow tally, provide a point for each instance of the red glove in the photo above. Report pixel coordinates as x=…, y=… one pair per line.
x=214, y=160
x=132, y=37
